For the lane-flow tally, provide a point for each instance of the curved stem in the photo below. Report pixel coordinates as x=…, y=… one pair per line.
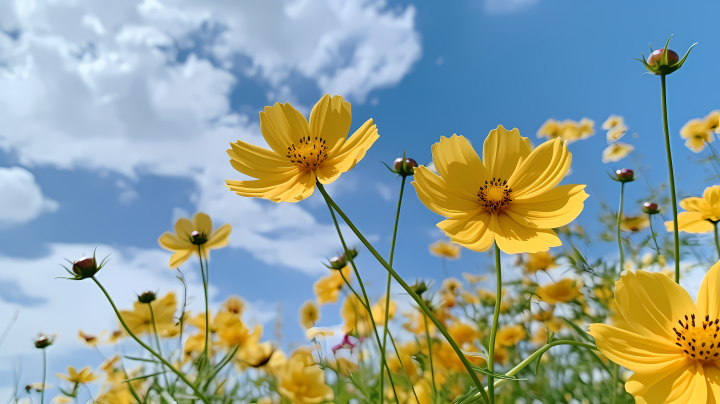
x=409, y=290
x=619, y=231
x=149, y=349
x=207, y=309
x=432, y=368
x=349, y=257
x=672, y=178
x=494, y=329
x=157, y=341
x=42, y=394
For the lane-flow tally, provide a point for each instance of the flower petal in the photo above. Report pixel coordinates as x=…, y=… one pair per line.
x=179, y=258
x=344, y=156
x=281, y=126
x=172, y=242
x=712, y=377
x=503, y=150
x=330, y=120
x=634, y=351
x=708, y=298
x=542, y=170
x=438, y=196
x=690, y=222
x=267, y=188
x=183, y=228
x=555, y=208
x=652, y=303
x=203, y=223
x=513, y=237
x=459, y=165
x=682, y=382
x=253, y=160
x=220, y=238
x=302, y=187
x=694, y=204
x=472, y=230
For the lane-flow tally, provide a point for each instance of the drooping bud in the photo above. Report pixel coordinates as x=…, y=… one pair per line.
x=651, y=208
x=198, y=238
x=146, y=297
x=43, y=341
x=625, y=175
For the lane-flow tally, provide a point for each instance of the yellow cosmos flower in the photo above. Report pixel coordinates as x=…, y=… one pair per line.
x=191, y=236
x=444, y=249
x=237, y=333
x=697, y=133
x=568, y=130
x=139, y=319
x=463, y=333
x=344, y=365
x=539, y=261
x=616, y=152
x=634, y=223
x=701, y=212
x=613, y=121
x=85, y=375
x=509, y=197
x=617, y=132
x=712, y=121
x=354, y=316
x=452, y=285
x=303, y=382
x=309, y=314
x=301, y=152
x=671, y=343
x=563, y=291
x=327, y=288
x=378, y=310
x=235, y=305
x=474, y=278
x=510, y=335
x=88, y=339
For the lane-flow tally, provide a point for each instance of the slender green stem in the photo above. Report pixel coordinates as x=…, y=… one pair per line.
x=494, y=329
x=619, y=230
x=432, y=367
x=392, y=255
x=42, y=394
x=672, y=178
x=349, y=257
x=616, y=373
x=652, y=232
x=148, y=348
x=409, y=290
x=207, y=308
x=157, y=341
x=717, y=242
x=221, y=365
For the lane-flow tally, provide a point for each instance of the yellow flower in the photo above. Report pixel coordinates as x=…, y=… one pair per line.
x=354, y=316
x=378, y=310
x=327, y=288
x=549, y=129
x=302, y=153
x=344, y=365
x=444, y=249
x=140, y=322
x=671, y=343
x=452, y=285
x=84, y=376
x=309, y=314
x=696, y=134
x=463, y=333
x=634, y=223
x=303, y=382
x=616, y=133
x=474, y=278
x=509, y=197
x=406, y=351
x=510, y=335
x=539, y=261
x=256, y=355
x=191, y=236
x=237, y=333
x=501, y=355
x=564, y=291
x=469, y=298
x=88, y=339
x=613, y=121
x=712, y=121
x=61, y=399
x=219, y=322
x=616, y=152
x=235, y=305
x=700, y=211
x=568, y=130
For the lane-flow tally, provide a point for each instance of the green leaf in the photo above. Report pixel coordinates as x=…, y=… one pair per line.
x=584, y=335
x=167, y=398
x=135, y=358
x=487, y=372
x=143, y=377
x=470, y=397
x=388, y=167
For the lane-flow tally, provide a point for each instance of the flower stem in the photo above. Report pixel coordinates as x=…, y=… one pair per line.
x=672, y=178
x=616, y=373
x=717, y=242
x=149, y=349
x=652, y=232
x=157, y=340
x=432, y=367
x=409, y=290
x=207, y=309
x=392, y=255
x=42, y=394
x=494, y=329
x=619, y=231
x=369, y=311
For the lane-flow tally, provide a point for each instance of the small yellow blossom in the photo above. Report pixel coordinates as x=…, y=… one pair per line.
x=510, y=335
x=88, y=339
x=378, y=310
x=563, y=291
x=444, y=249
x=616, y=133
x=634, y=223
x=696, y=134
x=539, y=261
x=192, y=236
x=474, y=278
x=700, y=212
x=302, y=381
x=463, y=333
x=235, y=305
x=452, y=285
x=613, y=121
x=354, y=316
x=309, y=314
x=61, y=399
x=139, y=319
x=84, y=376
x=327, y=288
x=616, y=152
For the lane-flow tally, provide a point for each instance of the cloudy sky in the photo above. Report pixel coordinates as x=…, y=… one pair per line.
x=115, y=118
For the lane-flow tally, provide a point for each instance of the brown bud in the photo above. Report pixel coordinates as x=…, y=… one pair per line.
x=146, y=297
x=656, y=57
x=625, y=174
x=407, y=169
x=650, y=208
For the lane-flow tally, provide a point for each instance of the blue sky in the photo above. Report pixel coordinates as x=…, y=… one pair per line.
x=114, y=121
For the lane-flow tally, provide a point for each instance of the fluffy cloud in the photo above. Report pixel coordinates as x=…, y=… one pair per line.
x=21, y=199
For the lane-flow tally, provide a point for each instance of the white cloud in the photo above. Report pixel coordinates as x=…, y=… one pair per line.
x=21, y=198
x=507, y=6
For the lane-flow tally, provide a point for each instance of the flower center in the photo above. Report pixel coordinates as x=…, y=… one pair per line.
x=309, y=153
x=699, y=341
x=494, y=196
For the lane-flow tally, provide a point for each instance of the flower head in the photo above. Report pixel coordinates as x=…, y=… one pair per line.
x=567, y=130
x=616, y=152
x=509, y=197
x=700, y=213
x=670, y=342
x=444, y=249
x=302, y=381
x=664, y=61
x=634, y=223
x=139, y=320
x=43, y=340
x=88, y=339
x=85, y=267
x=651, y=208
x=147, y=297
x=510, y=335
x=85, y=375
x=404, y=166
x=327, y=288
x=613, y=121
x=345, y=343
x=615, y=133
x=301, y=152
x=309, y=314
x=191, y=236
x=563, y=291
x=699, y=132
x=539, y=261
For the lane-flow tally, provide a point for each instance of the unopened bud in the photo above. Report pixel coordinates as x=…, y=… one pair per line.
x=655, y=58
x=337, y=263
x=650, y=208
x=625, y=175
x=405, y=169
x=146, y=297
x=198, y=238
x=85, y=267
x=43, y=341
x=419, y=288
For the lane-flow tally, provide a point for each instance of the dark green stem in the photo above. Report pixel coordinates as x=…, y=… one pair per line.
x=672, y=178
x=619, y=231
x=157, y=341
x=409, y=290
x=149, y=349
x=432, y=367
x=207, y=308
x=42, y=394
x=717, y=243
x=369, y=311
x=494, y=329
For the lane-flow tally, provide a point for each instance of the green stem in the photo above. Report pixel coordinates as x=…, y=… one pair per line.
x=149, y=349
x=432, y=368
x=616, y=372
x=672, y=178
x=42, y=394
x=619, y=231
x=494, y=329
x=207, y=308
x=652, y=232
x=369, y=311
x=409, y=290
x=157, y=341
x=717, y=243
x=221, y=365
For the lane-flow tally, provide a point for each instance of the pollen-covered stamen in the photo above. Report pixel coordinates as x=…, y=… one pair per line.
x=699, y=340
x=494, y=196
x=309, y=153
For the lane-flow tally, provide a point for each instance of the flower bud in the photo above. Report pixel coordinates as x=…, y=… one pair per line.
x=650, y=208
x=198, y=238
x=337, y=263
x=353, y=253
x=146, y=297
x=625, y=175
x=419, y=288
x=43, y=341
x=405, y=169
x=85, y=267
x=655, y=58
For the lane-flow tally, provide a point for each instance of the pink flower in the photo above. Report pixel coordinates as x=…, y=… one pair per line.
x=346, y=343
